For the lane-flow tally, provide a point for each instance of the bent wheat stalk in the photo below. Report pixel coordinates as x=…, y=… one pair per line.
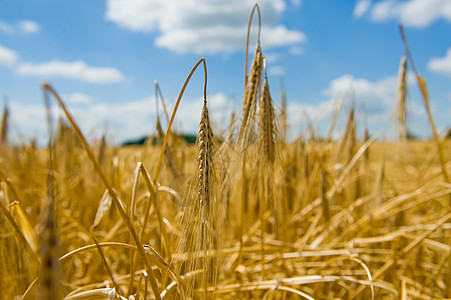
x=424, y=92
x=247, y=38
x=49, y=270
x=112, y=193
x=177, y=103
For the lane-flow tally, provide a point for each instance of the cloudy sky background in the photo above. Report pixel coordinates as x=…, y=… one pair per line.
x=103, y=57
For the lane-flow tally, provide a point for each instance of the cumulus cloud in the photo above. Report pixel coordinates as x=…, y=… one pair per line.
x=296, y=50
x=415, y=13
x=374, y=98
x=78, y=98
x=29, y=26
x=22, y=26
x=276, y=70
x=6, y=28
x=7, y=56
x=123, y=121
x=361, y=7
x=202, y=26
x=441, y=65
x=272, y=57
x=76, y=70
x=378, y=96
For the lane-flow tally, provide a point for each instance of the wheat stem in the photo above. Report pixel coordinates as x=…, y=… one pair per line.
x=247, y=38
x=113, y=195
x=165, y=141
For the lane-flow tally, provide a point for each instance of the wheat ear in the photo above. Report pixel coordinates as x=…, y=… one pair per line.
x=401, y=100
x=251, y=98
x=266, y=123
x=4, y=126
x=283, y=119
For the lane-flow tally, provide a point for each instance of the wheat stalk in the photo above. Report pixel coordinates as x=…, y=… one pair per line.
x=251, y=84
x=424, y=93
x=49, y=248
x=117, y=202
x=283, y=111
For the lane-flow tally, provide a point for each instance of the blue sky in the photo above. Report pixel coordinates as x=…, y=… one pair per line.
x=103, y=58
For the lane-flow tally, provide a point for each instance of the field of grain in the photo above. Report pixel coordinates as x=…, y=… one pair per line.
x=243, y=214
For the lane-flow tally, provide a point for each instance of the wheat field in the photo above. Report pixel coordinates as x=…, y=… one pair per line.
x=243, y=214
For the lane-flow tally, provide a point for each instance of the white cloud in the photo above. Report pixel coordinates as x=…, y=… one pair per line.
x=296, y=50
x=23, y=26
x=6, y=28
x=77, y=70
x=376, y=97
x=199, y=26
x=362, y=87
x=272, y=57
x=415, y=13
x=124, y=121
x=300, y=114
x=296, y=3
x=441, y=65
x=29, y=26
x=79, y=98
x=7, y=56
x=361, y=8
x=276, y=70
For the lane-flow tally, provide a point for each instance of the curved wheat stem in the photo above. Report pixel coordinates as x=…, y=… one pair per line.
x=106, y=182
x=171, y=121
x=247, y=37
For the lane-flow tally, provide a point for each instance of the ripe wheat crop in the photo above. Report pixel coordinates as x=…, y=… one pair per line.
x=250, y=216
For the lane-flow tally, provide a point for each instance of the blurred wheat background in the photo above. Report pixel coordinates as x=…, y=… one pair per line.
x=245, y=213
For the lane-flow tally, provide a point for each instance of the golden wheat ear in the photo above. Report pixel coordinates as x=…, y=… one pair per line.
x=4, y=126
x=283, y=119
x=207, y=229
x=401, y=100
x=250, y=99
x=266, y=123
